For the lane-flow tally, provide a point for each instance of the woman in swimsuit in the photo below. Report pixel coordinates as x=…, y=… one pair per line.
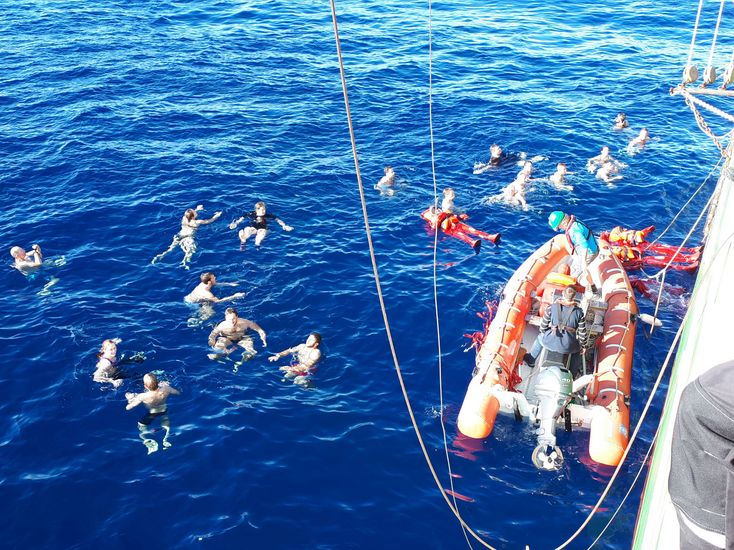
x=258, y=224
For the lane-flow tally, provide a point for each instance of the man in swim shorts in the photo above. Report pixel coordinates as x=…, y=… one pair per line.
x=154, y=398
x=230, y=334
x=306, y=357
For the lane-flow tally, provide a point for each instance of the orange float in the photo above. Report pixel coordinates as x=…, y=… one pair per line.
x=597, y=400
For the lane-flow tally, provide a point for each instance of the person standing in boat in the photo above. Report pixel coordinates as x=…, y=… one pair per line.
x=563, y=328
x=581, y=245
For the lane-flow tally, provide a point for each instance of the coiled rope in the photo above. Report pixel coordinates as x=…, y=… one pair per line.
x=379, y=287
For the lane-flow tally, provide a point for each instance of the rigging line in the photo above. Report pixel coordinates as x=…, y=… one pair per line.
x=703, y=276
x=704, y=127
x=716, y=32
x=379, y=287
x=695, y=31
x=435, y=264
x=629, y=491
x=682, y=208
x=680, y=246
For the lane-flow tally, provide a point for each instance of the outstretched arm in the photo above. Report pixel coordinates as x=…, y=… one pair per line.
x=236, y=222
x=230, y=298
x=214, y=218
x=133, y=400
x=284, y=225
x=285, y=352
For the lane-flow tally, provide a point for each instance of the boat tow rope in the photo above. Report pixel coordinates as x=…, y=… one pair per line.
x=378, y=286
x=655, y=387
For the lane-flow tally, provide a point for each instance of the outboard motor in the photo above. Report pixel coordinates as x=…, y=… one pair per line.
x=552, y=391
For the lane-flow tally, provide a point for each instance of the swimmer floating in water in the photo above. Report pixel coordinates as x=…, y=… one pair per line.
x=230, y=334
x=27, y=262
x=496, y=156
x=204, y=296
x=258, y=224
x=203, y=291
x=107, y=370
x=637, y=144
x=386, y=185
x=185, y=237
x=609, y=173
x=306, y=357
x=620, y=122
x=154, y=398
x=597, y=162
x=558, y=178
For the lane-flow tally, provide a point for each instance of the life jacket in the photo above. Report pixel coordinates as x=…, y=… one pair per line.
x=629, y=236
x=561, y=336
x=588, y=236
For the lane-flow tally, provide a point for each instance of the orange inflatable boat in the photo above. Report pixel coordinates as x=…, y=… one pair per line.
x=590, y=392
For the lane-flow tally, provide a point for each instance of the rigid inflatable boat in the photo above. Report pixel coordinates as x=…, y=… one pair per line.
x=589, y=391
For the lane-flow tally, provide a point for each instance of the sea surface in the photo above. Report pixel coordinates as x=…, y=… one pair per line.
x=115, y=117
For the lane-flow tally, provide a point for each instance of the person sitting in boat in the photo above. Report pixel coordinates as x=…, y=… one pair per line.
x=563, y=328
x=638, y=143
x=621, y=122
x=386, y=185
x=26, y=262
x=186, y=237
x=558, y=178
x=581, y=245
x=258, y=224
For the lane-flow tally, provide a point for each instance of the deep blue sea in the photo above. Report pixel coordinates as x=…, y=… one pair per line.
x=117, y=116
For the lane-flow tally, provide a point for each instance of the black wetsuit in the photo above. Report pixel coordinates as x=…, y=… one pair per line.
x=259, y=222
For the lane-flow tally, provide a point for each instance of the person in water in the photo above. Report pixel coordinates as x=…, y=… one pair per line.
x=185, y=237
x=154, y=398
x=638, y=143
x=595, y=163
x=258, y=224
x=581, y=245
x=26, y=262
x=620, y=122
x=562, y=329
x=231, y=333
x=386, y=185
x=609, y=173
x=558, y=178
x=107, y=370
x=203, y=291
x=447, y=204
x=305, y=358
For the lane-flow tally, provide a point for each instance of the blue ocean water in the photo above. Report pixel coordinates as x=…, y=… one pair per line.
x=117, y=116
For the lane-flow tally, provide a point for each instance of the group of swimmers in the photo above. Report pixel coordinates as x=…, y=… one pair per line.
x=227, y=336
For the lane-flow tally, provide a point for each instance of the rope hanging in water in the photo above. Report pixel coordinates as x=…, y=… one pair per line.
x=379, y=287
